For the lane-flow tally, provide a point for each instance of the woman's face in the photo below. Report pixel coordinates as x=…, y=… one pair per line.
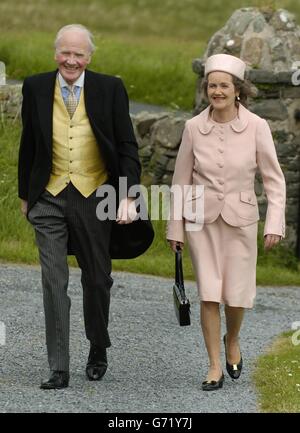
x=221, y=91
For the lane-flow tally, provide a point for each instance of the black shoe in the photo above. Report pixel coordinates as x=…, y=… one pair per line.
x=97, y=363
x=234, y=370
x=212, y=385
x=57, y=380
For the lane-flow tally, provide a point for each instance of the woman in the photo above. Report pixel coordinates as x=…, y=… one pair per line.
x=221, y=149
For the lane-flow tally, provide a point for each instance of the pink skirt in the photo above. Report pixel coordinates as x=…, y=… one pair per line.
x=224, y=261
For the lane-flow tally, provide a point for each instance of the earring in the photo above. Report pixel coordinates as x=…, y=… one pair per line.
x=238, y=98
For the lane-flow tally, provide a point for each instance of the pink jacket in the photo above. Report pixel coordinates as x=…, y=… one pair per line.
x=224, y=158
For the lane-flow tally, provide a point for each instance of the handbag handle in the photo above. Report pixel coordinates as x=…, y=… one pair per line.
x=178, y=268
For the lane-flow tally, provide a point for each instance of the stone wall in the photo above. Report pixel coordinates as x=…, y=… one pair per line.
x=269, y=43
x=10, y=101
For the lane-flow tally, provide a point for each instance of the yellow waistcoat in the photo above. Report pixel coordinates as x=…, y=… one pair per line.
x=76, y=154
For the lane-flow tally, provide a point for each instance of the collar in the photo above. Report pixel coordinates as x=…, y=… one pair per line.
x=205, y=124
x=79, y=82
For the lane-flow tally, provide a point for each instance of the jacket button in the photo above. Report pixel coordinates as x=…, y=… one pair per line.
x=221, y=150
x=221, y=182
x=249, y=198
x=220, y=196
x=220, y=164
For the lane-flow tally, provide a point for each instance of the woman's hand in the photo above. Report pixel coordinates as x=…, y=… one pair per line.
x=174, y=244
x=270, y=241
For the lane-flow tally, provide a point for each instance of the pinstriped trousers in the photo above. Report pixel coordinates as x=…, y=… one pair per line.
x=57, y=220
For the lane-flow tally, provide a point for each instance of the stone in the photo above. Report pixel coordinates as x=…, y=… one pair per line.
x=261, y=76
x=259, y=24
x=268, y=93
x=233, y=45
x=2, y=74
x=283, y=149
x=167, y=179
x=240, y=21
x=278, y=49
x=171, y=165
x=167, y=132
x=291, y=176
x=270, y=109
x=144, y=142
x=145, y=120
x=293, y=190
x=290, y=92
x=145, y=153
x=284, y=77
x=213, y=44
x=252, y=52
x=198, y=67
x=283, y=20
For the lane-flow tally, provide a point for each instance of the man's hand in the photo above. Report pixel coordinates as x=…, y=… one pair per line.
x=24, y=207
x=174, y=244
x=127, y=211
x=270, y=241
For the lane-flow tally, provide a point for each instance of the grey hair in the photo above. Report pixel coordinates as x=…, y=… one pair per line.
x=80, y=28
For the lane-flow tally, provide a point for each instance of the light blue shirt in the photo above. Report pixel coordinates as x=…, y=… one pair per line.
x=78, y=85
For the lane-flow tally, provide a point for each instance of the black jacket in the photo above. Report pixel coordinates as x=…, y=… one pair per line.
x=106, y=104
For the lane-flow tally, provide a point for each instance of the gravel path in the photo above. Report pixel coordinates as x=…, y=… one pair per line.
x=152, y=361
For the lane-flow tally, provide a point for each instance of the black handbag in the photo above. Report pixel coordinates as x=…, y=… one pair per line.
x=181, y=302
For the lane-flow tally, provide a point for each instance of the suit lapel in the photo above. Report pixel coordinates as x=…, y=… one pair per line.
x=94, y=98
x=44, y=98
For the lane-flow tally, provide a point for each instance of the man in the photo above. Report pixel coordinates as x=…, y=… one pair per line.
x=77, y=135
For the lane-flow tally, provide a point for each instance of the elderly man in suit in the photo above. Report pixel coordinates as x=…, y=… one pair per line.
x=77, y=135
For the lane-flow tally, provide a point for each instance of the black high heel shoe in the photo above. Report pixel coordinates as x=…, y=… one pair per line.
x=234, y=370
x=212, y=385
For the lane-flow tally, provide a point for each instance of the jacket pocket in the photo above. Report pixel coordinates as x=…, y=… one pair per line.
x=248, y=197
x=247, y=207
x=193, y=205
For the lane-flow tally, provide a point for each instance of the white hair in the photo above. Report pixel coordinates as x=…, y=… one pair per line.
x=77, y=27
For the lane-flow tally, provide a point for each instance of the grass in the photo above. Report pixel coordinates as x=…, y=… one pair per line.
x=149, y=43
x=277, y=376
x=151, y=72
x=279, y=267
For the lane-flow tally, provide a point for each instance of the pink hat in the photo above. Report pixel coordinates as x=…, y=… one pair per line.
x=226, y=63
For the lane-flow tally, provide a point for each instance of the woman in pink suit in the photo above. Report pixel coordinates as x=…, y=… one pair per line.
x=221, y=149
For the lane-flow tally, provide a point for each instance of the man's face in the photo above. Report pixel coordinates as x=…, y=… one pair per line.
x=72, y=55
